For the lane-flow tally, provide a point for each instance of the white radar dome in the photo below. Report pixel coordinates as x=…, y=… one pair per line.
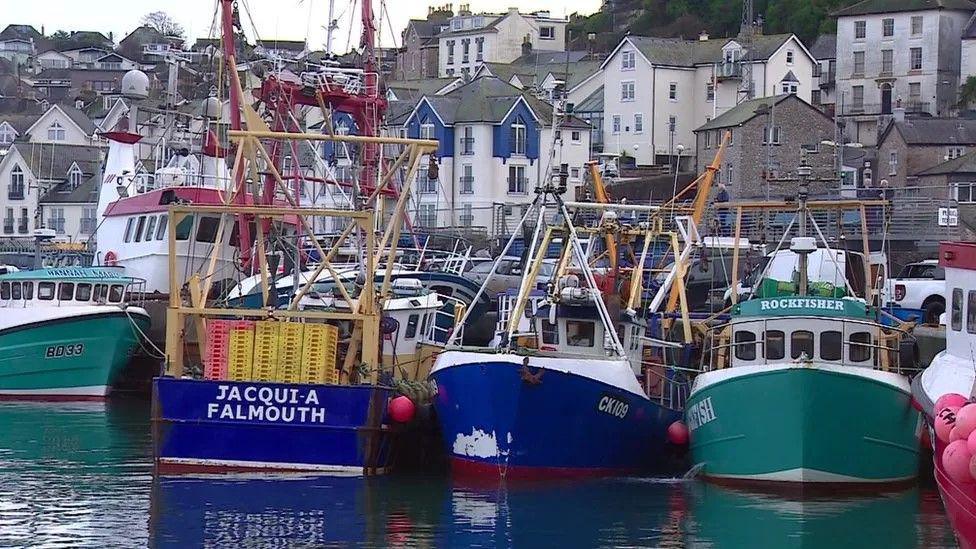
x=212, y=107
x=135, y=85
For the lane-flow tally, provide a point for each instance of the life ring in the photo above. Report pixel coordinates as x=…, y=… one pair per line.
x=111, y=259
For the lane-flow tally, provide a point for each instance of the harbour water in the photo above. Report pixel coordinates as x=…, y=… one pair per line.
x=81, y=475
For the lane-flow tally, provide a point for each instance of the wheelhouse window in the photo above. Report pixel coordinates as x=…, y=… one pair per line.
x=971, y=312
x=101, y=293
x=4, y=290
x=66, y=291
x=745, y=345
x=83, y=292
x=28, y=290
x=411, y=327
x=183, y=228
x=116, y=293
x=15, y=291
x=150, y=228
x=775, y=345
x=207, y=229
x=140, y=225
x=957, y=309
x=859, y=347
x=161, y=229
x=45, y=291
x=580, y=333
x=830, y=345
x=801, y=343
x=128, y=229
x=550, y=332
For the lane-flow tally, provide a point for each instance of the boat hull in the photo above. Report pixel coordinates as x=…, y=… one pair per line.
x=949, y=374
x=798, y=424
x=66, y=356
x=223, y=426
x=500, y=419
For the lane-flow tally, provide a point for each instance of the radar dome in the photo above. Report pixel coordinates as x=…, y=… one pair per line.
x=212, y=107
x=135, y=85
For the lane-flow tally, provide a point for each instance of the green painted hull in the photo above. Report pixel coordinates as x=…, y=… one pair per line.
x=67, y=358
x=803, y=424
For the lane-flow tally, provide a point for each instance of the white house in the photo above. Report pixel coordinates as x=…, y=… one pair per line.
x=495, y=145
x=473, y=39
x=897, y=53
x=658, y=90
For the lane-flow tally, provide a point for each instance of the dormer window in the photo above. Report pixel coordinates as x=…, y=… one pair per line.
x=518, y=136
x=7, y=134
x=74, y=177
x=55, y=132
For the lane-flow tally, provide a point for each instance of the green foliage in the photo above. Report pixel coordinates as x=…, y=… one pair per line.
x=967, y=92
x=721, y=18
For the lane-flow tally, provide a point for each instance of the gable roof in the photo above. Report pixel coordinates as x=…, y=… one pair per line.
x=19, y=122
x=970, y=29
x=53, y=160
x=746, y=111
x=933, y=131
x=488, y=100
x=77, y=117
x=870, y=7
x=679, y=52
x=824, y=47
x=411, y=90
x=22, y=32
x=962, y=164
x=490, y=26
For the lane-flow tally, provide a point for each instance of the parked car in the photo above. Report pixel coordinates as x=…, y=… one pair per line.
x=921, y=286
x=507, y=275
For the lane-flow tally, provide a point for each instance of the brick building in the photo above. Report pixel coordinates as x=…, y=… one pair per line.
x=768, y=135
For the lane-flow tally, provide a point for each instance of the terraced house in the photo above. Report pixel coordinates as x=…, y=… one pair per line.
x=658, y=90
x=495, y=145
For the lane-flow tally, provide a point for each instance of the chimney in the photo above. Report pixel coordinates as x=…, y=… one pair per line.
x=703, y=36
x=526, y=46
x=513, y=11
x=898, y=114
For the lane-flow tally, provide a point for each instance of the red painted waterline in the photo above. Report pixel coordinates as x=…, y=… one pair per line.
x=467, y=468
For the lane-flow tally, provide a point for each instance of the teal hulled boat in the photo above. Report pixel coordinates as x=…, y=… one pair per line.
x=65, y=333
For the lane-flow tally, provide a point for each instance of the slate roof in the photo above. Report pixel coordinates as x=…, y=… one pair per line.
x=488, y=99
x=23, y=32
x=970, y=30
x=414, y=89
x=490, y=26
x=86, y=193
x=959, y=165
x=746, y=111
x=52, y=161
x=292, y=45
x=593, y=103
x=529, y=73
x=934, y=131
x=824, y=47
x=20, y=122
x=868, y=7
x=426, y=29
x=79, y=117
x=687, y=53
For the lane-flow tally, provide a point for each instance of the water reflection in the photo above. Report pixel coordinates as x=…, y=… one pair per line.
x=73, y=472
x=80, y=475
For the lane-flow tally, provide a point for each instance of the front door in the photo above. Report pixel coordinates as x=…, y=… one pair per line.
x=886, y=99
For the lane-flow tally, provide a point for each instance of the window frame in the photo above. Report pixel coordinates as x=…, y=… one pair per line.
x=745, y=346
x=796, y=346
x=956, y=310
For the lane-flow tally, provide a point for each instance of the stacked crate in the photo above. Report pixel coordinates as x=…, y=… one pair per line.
x=218, y=347
x=265, y=351
x=319, y=354
x=290, y=341
x=240, y=354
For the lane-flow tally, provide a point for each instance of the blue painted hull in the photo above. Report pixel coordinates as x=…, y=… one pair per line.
x=201, y=425
x=562, y=425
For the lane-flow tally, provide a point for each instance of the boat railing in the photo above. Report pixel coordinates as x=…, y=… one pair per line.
x=446, y=322
x=882, y=351
x=147, y=182
x=665, y=385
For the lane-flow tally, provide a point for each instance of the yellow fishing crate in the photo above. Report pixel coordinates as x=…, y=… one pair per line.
x=240, y=355
x=265, y=350
x=319, y=354
x=290, y=339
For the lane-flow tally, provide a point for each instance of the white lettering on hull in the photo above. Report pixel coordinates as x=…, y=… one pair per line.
x=700, y=413
x=268, y=404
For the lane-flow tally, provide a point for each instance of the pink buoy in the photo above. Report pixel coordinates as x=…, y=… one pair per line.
x=971, y=443
x=966, y=420
x=972, y=468
x=948, y=400
x=678, y=433
x=956, y=434
x=944, y=421
x=956, y=460
x=402, y=409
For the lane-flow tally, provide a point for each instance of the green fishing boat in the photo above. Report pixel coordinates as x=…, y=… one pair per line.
x=65, y=333
x=806, y=388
